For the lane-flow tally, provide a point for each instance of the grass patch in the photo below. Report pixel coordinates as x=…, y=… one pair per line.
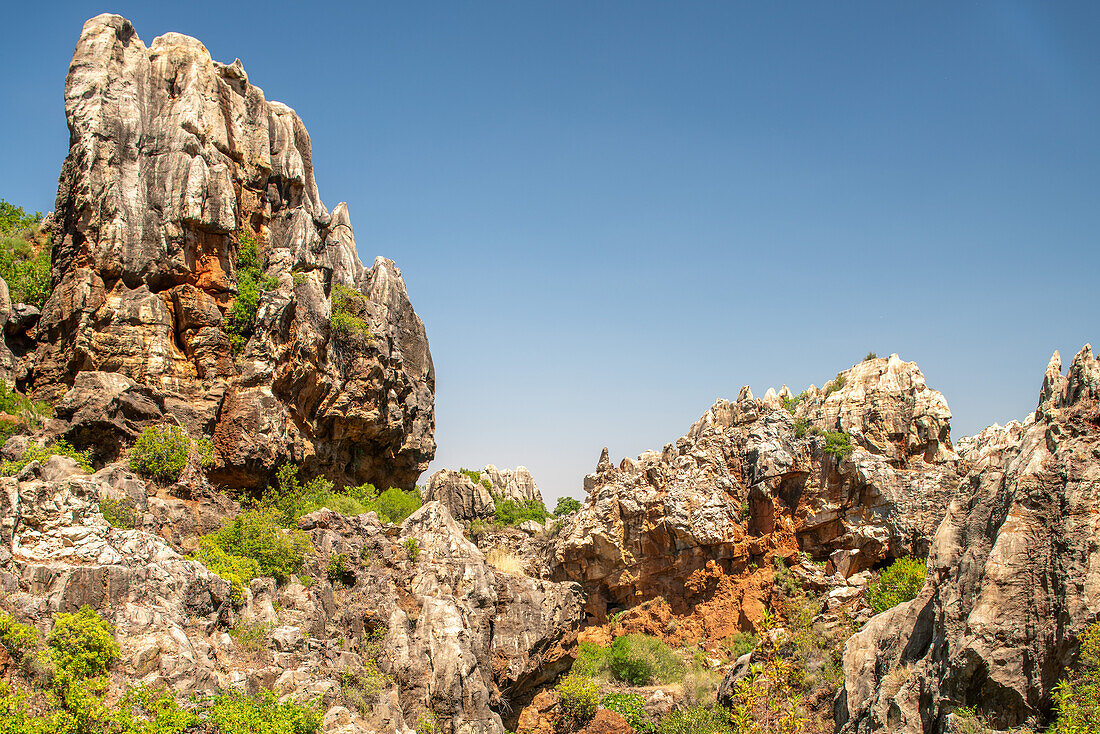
x=162, y=452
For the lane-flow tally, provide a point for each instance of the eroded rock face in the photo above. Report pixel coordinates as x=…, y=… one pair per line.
x=174, y=160
x=468, y=500
x=699, y=523
x=1014, y=572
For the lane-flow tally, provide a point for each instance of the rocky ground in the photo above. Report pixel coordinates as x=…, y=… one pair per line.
x=199, y=286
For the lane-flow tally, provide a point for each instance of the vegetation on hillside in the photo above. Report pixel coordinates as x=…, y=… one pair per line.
x=162, y=452
x=291, y=499
x=900, y=582
x=566, y=505
x=241, y=320
x=34, y=452
x=24, y=256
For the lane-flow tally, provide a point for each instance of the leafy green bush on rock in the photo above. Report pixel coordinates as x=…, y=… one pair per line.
x=41, y=454
x=579, y=697
x=900, y=582
x=291, y=499
x=566, y=505
x=82, y=644
x=511, y=512
x=24, y=256
x=636, y=659
x=1077, y=697
x=251, y=546
x=161, y=452
x=17, y=638
x=631, y=707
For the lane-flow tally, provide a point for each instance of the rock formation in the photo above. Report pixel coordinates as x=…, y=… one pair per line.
x=468, y=499
x=698, y=524
x=1014, y=572
x=175, y=163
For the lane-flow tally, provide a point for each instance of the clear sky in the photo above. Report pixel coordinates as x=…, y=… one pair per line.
x=610, y=214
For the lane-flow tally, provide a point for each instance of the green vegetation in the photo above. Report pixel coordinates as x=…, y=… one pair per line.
x=251, y=546
x=900, y=582
x=34, y=452
x=82, y=644
x=250, y=635
x=697, y=720
x=412, y=548
x=478, y=527
x=870, y=356
x=566, y=505
x=340, y=571
x=740, y=643
x=235, y=712
x=789, y=404
x=636, y=659
x=349, y=306
x=161, y=453
x=475, y=476
x=838, y=444
x=290, y=499
x=631, y=707
x=120, y=514
x=579, y=697
x=251, y=283
x=29, y=412
x=24, y=256
x=510, y=512
x=1077, y=698
x=17, y=638
x=835, y=384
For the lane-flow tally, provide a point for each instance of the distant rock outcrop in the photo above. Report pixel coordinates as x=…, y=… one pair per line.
x=176, y=161
x=468, y=499
x=698, y=523
x=1014, y=574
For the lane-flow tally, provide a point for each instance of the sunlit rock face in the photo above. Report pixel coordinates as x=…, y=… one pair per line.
x=174, y=161
x=1014, y=578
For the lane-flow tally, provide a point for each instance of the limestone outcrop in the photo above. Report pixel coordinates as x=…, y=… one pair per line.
x=1014, y=574
x=468, y=498
x=699, y=523
x=176, y=165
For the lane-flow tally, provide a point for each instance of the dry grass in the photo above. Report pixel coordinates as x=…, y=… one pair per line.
x=895, y=679
x=502, y=560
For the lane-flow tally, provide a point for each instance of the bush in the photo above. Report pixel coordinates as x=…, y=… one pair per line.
x=566, y=505
x=17, y=638
x=161, y=452
x=143, y=710
x=339, y=570
x=24, y=256
x=579, y=697
x=870, y=356
x=900, y=582
x=236, y=712
x=631, y=707
x=30, y=413
x=835, y=384
x=412, y=547
x=475, y=476
x=81, y=644
x=250, y=546
x=740, y=643
x=348, y=308
x=241, y=319
x=511, y=512
x=641, y=660
x=34, y=452
x=696, y=720
x=13, y=218
x=838, y=444
x=120, y=514
x=395, y=505
x=291, y=500
x=250, y=635
x=1077, y=698
x=636, y=659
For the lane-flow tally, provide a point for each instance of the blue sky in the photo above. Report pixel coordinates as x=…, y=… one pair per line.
x=610, y=214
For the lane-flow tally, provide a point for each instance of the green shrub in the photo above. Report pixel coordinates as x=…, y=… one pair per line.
x=395, y=505
x=475, y=476
x=34, y=452
x=870, y=356
x=120, y=514
x=478, y=527
x=838, y=444
x=250, y=546
x=791, y=403
x=161, y=452
x=835, y=384
x=642, y=660
x=579, y=698
x=15, y=714
x=236, y=712
x=412, y=548
x=30, y=413
x=696, y=720
x=81, y=644
x=1077, y=697
x=566, y=505
x=339, y=569
x=143, y=710
x=800, y=428
x=631, y=707
x=291, y=500
x=510, y=512
x=14, y=218
x=348, y=308
x=900, y=582
x=241, y=320
x=17, y=638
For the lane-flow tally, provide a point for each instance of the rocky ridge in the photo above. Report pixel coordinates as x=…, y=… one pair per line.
x=176, y=163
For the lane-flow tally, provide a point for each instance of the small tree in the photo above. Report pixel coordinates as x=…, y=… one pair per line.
x=899, y=583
